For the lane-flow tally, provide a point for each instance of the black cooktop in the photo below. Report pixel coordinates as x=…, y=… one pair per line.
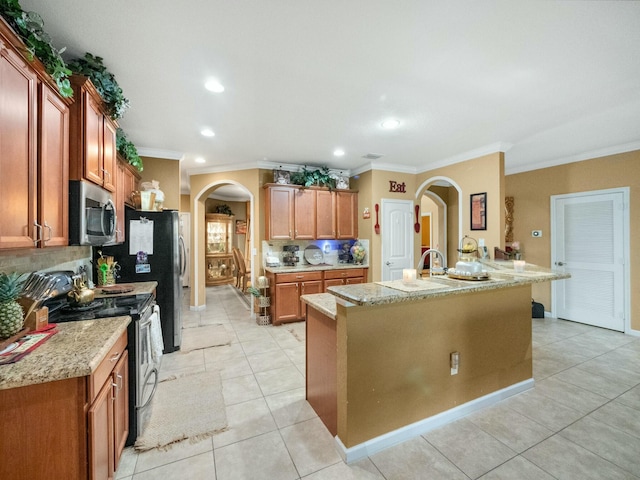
x=61, y=311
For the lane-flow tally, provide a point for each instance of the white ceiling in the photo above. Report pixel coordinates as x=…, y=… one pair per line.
x=546, y=81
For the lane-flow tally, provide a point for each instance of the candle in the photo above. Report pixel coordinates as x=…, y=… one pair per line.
x=518, y=265
x=409, y=275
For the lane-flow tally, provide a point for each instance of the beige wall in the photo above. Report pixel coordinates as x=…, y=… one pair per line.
x=372, y=187
x=532, y=191
x=484, y=174
x=185, y=203
x=167, y=172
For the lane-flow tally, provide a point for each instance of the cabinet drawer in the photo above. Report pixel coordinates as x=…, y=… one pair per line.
x=298, y=277
x=101, y=374
x=344, y=273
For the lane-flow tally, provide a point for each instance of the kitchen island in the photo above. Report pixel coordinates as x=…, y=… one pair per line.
x=380, y=366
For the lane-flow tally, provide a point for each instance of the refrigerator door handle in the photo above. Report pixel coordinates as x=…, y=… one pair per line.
x=183, y=256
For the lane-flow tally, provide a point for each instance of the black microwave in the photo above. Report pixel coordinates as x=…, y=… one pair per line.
x=92, y=215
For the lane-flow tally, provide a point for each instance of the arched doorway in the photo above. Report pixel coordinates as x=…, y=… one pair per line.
x=445, y=194
x=226, y=190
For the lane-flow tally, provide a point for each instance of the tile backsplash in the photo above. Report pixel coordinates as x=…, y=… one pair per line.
x=46, y=259
x=330, y=248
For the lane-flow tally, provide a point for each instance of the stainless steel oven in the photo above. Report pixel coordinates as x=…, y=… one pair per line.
x=143, y=363
x=146, y=368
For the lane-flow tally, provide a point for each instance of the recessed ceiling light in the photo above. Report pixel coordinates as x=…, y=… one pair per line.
x=207, y=132
x=391, y=123
x=214, y=85
x=200, y=160
x=338, y=152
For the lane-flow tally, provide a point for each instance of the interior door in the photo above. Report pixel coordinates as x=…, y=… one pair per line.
x=396, y=228
x=588, y=242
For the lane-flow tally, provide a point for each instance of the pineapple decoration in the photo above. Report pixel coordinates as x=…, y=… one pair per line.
x=11, y=314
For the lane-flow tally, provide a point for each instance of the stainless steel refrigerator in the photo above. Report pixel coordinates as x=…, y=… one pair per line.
x=165, y=265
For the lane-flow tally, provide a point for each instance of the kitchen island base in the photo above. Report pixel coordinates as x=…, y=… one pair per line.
x=391, y=363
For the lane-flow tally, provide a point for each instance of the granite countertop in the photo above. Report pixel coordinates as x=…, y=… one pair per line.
x=314, y=268
x=323, y=302
x=75, y=351
x=139, y=288
x=501, y=275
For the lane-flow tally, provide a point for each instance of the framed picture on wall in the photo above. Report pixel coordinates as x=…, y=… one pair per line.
x=479, y=211
x=241, y=227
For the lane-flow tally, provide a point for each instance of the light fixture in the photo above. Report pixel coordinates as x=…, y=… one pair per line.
x=390, y=123
x=200, y=160
x=207, y=132
x=214, y=85
x=338, y=152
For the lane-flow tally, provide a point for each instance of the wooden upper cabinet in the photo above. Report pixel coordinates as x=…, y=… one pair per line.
x=279, y=213
x=109, y=150
x=93, y=137
x=18, y=128
x=325, y=217
x=304, y=216
x=311, y=213
x=53, y=162
x=346, y=215
x=34, y=151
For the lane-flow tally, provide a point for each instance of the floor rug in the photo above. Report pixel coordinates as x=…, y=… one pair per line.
x=177, y=414
x=204, y=337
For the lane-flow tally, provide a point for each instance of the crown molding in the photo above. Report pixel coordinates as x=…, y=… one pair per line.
x=160, y=153
x=221, y=168
x=590, y=155
x=469, y=155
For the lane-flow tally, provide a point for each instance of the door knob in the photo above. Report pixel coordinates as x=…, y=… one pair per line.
x=560, y=264
x=389, y=263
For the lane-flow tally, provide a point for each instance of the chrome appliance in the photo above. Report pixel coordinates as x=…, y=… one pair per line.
x=143, y=364
x=92, y=215
x=290, y=255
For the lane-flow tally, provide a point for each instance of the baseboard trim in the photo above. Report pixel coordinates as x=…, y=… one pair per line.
x=416, y=429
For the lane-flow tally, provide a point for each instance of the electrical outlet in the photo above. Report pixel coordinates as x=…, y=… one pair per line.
x=536, y=233
x=455, y=362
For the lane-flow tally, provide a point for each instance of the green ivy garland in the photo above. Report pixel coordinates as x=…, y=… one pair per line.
x=29, y=27
x=105, y=82
x=128, y=150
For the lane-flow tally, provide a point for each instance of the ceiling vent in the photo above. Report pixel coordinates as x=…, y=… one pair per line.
x=372, y=156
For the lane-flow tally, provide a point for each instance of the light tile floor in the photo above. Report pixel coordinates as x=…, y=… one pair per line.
x=581, y=421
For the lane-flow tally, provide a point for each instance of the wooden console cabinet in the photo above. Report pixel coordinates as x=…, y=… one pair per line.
x=219, y=262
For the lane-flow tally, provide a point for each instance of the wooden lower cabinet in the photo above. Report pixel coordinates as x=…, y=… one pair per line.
x=288, y=287
x=344, y=276
x=69, y=428
x=285, y=301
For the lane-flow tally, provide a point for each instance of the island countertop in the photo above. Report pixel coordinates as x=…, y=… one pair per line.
x=501, y=275
x=74, y=351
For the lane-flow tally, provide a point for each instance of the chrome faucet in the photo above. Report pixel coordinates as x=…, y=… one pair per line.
x=429, y=251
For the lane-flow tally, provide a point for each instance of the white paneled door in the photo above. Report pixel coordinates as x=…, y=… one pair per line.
x=589, y=242
x=396, y=228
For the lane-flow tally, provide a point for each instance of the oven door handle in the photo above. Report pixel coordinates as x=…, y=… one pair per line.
x=153, y=392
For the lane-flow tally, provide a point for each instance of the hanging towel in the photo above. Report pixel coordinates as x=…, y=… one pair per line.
x=157, y=343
